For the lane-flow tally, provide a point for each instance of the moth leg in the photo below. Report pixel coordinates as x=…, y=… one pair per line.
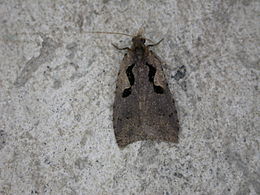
x=155, y=43
x=125, y=48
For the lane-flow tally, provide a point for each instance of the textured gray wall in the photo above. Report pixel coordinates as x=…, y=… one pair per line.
x=57, y=89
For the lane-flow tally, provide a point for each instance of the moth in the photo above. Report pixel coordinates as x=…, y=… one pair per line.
x=143, y=106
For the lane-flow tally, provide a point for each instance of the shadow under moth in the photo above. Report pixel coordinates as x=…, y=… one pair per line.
x=143, y=107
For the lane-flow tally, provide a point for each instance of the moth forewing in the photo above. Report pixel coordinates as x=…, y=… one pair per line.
x=143, y=106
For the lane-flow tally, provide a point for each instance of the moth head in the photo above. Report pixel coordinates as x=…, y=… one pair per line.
x=138, y=41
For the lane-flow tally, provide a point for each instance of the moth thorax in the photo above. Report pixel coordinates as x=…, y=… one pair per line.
x=139, y=52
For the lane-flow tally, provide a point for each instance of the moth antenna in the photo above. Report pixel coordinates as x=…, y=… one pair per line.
x=149, y=40
x=139, y=33
x=113, y=33
x=12, y=37
x=154, y=44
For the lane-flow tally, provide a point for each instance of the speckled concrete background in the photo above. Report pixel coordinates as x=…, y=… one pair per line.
x=57, y=89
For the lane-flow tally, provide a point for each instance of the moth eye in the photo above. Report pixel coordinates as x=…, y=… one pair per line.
x=143, y=40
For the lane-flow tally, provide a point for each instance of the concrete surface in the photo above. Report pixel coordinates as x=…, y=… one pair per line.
x=57, y=89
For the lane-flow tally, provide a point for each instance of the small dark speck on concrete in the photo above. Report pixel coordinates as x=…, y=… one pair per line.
x=179, y=175
x=47, y=161
x=183, y=85
x=77, y=117
x=3, y=136
x=180, y=73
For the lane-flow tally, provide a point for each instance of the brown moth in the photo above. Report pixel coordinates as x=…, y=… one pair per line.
x=143, y=107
